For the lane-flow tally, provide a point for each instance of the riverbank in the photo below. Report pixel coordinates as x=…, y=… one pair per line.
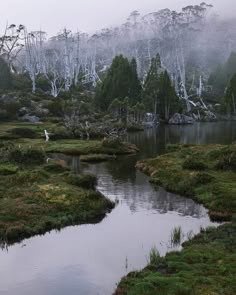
x=206, y=265
x=38, y=197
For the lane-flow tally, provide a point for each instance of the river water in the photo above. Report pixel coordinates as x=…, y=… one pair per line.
x=91, y=259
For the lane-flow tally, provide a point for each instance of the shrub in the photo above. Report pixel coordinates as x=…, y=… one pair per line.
x=23, y=132
x=8, y=169
x=26, y=156
x=87, y=181
x=192, y=163
x=54, y=167
x=202, y=178
x=113, y=142
x=227, y=161
x=21, y=82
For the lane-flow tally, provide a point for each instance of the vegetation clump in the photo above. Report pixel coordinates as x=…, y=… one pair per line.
x=215, y=187
x=207, y=263
x=87, y=181
x=192, y=163
x=23, y=132
x=37, y=197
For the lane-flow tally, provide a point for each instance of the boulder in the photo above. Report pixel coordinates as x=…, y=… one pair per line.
x=7, y=98
x=31, y=119
x=23, y=111
x=180, y=119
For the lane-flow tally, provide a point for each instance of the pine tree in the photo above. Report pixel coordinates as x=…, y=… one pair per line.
x=121, y=81
x=135, y=85
x=169, y=102
x=151, y=86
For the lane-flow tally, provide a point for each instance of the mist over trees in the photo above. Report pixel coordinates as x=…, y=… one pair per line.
x=192, y=44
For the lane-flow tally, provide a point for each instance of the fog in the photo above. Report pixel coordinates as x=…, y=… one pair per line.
x=90, y=15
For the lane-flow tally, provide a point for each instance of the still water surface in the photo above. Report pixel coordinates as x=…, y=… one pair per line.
x=91, y=259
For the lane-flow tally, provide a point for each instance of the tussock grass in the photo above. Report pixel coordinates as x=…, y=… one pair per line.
x=207, y=263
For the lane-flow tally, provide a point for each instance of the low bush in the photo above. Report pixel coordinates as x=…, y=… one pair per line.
x=23, y=132
x=227, y=161
x=8, y=169
x=27, y=156
x=113, y=142
x=192, y=163
x=87, y=181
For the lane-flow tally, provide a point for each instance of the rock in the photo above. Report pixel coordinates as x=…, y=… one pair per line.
x=23, y=111
x=209, y=116
x=7, y=98
x=31, y=119
x=180, y=119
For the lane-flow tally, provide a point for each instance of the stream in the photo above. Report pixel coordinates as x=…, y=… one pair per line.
x=91, y=259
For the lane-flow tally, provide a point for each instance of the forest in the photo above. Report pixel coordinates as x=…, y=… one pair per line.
x=163, y=63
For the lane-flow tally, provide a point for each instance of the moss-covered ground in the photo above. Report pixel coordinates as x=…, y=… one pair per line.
x=35, y=199
x=207, y=263
x=18, y=132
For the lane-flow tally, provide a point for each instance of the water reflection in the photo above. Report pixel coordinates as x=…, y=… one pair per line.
x=91, y=259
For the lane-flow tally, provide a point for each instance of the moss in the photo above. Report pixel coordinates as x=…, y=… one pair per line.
x=215, y=188
x=207, y=263
x=36, y=199
x=8, y=169
x=192, y=163
x=94, y=158
x=23, y=132
x=88, y=181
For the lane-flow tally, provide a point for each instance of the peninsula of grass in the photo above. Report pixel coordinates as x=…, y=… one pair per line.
x=36, y=197
x=205, y=173
x=32, y=135
x=96, y=158
x=207, y=263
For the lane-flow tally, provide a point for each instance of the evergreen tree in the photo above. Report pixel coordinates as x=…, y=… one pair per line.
x=135, y=85
x=159, y=94
x=169, y=102
x=5, y=75
x=121, y=81
x=151, y=85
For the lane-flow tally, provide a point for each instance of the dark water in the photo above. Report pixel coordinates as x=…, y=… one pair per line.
x=91, y=259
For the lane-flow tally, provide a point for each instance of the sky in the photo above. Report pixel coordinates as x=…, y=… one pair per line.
x=89, y=15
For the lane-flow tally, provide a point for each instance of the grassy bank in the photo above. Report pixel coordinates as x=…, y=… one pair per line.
x=207, y=263
x=36, y=197
x=204, y=173
x=32, y=135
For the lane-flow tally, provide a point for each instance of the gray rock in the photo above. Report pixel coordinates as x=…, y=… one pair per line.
x=23, y=111
x=31, y=119
x=7, y=98
x=180, y=119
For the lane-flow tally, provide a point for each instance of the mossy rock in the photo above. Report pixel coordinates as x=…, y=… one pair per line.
x=8, y=169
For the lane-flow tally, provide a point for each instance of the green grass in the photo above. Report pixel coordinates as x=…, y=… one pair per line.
x=176, y=236
x=95, y=158
x=213, y=187
x=38, y=197
x=207, y=263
